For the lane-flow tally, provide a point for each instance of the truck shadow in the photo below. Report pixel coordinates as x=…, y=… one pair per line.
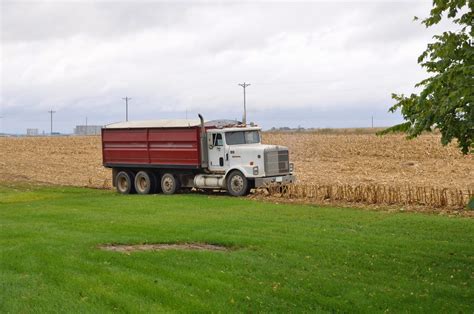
x=210, y=192
x=204, y=192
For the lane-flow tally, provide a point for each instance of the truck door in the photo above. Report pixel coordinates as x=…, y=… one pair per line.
x=216, y=146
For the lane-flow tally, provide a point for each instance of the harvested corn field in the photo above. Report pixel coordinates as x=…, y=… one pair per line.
x=341, y=159
x=368, y=169
x=396, y=168
x=75, y=161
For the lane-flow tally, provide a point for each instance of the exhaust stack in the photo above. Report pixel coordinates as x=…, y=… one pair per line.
x=204, y=157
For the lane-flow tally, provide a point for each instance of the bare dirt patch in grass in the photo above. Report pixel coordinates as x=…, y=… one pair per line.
x=127, y=248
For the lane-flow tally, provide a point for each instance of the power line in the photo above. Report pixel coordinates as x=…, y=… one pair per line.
x=126, y=107
x=244, y=119
x=51, y=113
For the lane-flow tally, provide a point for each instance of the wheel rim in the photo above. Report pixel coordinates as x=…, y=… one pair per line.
x=142, y=184
x=168, y=184
x=123, y=184
x=237, y=183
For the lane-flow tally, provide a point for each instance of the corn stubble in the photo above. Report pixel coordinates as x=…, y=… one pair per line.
x=376, y=194
x=352, y=167
x=365, y=168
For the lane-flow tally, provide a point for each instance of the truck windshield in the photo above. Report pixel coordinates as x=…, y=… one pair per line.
x=242, y=137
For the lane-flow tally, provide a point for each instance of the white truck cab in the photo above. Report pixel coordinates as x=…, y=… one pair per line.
x=238, y=154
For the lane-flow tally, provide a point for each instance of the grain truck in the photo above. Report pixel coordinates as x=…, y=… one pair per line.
x=171, y=155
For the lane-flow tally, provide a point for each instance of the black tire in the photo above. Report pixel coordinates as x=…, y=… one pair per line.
x=125, y=182
x=237, y=184
x=169, y=184
x=145, y=182
x=157, y=178
x=155, y=185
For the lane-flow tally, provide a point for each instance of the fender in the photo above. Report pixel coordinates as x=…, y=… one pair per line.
x=240, y=168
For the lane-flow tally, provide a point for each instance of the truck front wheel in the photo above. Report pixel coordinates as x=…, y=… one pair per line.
x=237, y=184
x=124, y=182
x=145, y=182
x=169, y=184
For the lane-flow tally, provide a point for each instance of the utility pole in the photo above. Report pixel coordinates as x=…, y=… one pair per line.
x=244, y=119
x=51, y=113
x=126, y=107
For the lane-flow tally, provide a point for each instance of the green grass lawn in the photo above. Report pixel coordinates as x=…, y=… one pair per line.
x=284, y=257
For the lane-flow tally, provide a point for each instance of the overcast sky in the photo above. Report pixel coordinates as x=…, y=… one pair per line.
x=314, y=64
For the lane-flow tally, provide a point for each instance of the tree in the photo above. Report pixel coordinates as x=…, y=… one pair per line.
x=446, y=101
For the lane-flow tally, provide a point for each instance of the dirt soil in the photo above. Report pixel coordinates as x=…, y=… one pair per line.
x=127, y=248
x=319, y=159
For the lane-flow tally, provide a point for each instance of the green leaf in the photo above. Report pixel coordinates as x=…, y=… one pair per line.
x=446, y=99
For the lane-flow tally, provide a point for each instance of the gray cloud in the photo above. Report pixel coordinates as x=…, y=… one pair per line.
x=36, y=21
x=340, y=60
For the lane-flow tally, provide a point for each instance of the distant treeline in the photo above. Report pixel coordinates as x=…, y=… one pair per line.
x=327, y=130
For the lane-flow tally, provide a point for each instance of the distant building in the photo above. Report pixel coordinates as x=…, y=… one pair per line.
x=87, y=129
x=32, y=132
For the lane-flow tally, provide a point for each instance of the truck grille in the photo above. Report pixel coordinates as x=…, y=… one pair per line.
x=276, y=162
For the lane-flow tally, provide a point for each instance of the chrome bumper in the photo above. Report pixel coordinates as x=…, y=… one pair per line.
x=283, y=180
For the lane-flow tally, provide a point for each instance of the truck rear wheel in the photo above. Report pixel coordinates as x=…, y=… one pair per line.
x=237, y=184
x=169, y=184
x=124, y=182
x=145, y=182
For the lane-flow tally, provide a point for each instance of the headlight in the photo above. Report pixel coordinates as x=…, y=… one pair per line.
x=255, y=170
x=292, y=167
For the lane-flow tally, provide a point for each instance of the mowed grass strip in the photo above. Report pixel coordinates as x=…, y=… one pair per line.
x=282, y=258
